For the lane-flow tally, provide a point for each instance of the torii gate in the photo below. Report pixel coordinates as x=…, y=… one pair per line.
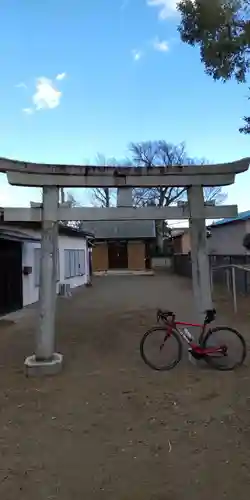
x=52, y=177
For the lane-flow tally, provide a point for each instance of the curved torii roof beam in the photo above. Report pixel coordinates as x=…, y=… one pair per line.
x=114, y=176
x=8, y=165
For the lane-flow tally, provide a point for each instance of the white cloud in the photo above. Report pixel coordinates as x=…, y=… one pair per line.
x=21, y=85
x=161, y=45
x=137, y=54
x=61, y=76
x=28, y=111
x=167, y=7
x=46, y=96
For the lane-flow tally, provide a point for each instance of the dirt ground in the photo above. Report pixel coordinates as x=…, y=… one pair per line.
x=109, y=427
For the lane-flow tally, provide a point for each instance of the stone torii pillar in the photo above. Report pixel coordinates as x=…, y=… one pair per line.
x=46, y=361
x=124, y=197
x=199, y=255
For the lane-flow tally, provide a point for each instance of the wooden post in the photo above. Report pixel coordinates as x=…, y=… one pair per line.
x=234, y=290
x=46, y=361
x=199, y=256
x=228, y=279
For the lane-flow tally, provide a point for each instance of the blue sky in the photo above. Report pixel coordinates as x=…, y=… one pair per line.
x=81, y=77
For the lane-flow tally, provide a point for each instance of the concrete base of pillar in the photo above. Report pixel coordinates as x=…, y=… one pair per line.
x=34, y=368
x=124, y=272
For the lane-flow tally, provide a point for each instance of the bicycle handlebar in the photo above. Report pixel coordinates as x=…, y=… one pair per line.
x=210, y=315
x=164, y=315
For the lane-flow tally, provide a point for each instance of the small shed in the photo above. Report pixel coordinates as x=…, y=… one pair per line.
x=121, y=245
x=20, y=250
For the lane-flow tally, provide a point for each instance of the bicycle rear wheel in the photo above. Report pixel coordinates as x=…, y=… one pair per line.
x=159, y=350
x=235, y=348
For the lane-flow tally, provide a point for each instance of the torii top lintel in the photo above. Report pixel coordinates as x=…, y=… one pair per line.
x=112, y=176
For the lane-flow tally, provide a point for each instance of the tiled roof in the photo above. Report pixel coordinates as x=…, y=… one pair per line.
x=121, y=229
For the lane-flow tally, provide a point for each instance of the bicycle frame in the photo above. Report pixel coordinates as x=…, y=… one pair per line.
x=195, y=348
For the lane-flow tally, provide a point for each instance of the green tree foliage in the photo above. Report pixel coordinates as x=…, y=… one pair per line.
x=221, y=29
x=246, y=128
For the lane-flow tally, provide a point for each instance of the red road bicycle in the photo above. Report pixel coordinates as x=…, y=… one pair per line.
x=161, y=346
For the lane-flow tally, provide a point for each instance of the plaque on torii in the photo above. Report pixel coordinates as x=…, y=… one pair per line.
x=53, y=177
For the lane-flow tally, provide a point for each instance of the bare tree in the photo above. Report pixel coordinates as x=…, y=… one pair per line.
x=161, y=153
x=214, y=194
x=71, y=201
x=104, y=197
x=62, y=193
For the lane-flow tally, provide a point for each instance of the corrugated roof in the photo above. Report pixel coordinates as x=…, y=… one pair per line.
x=6, y=234
x=241, y=216
x=175, y=233
x=36, y=226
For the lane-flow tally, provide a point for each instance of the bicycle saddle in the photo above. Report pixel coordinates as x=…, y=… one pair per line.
x=165, y=313
x=210, y=316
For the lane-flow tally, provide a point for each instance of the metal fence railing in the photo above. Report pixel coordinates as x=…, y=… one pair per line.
x=231, y=271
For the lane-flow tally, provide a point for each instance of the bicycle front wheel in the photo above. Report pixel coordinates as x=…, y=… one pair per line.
x=159, y=350
x=234, y=346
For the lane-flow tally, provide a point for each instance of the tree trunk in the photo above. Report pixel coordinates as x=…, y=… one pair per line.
x=160, y=226
x=107, y=200
x=62, y=196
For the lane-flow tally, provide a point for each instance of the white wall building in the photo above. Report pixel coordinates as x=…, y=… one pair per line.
x=227, y=235
x=20, y=262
